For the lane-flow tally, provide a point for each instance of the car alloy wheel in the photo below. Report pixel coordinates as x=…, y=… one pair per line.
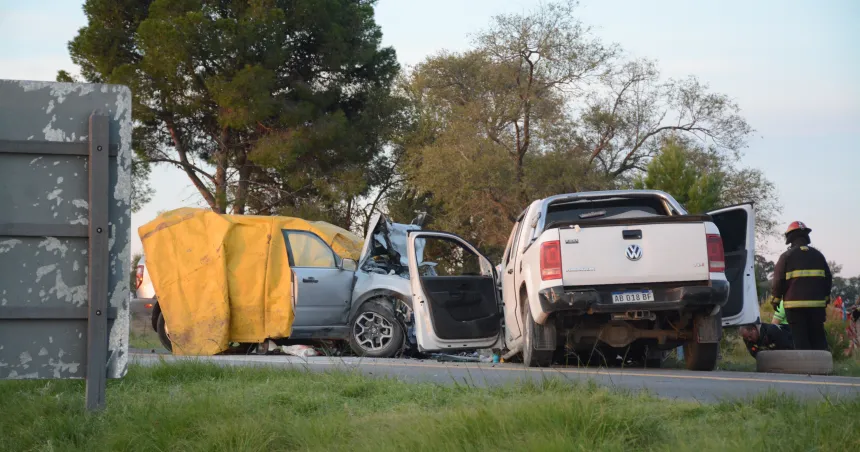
x=372, y=331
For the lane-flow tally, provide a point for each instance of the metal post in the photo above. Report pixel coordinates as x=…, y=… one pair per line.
x=97, y=276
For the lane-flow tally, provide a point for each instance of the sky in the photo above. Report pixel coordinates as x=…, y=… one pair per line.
x=793, y=66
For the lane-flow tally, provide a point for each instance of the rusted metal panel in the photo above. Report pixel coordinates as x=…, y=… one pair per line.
x=47, y=291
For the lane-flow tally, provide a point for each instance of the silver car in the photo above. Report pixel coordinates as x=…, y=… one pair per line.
x=366, y=303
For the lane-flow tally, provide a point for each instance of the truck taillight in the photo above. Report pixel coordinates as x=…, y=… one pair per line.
x=716, y=256
x=139, y=275
x=550, y=260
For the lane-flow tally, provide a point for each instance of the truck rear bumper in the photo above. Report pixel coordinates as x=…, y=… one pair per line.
x=599, y=300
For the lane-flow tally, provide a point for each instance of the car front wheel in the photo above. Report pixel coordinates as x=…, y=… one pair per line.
x=375, y=331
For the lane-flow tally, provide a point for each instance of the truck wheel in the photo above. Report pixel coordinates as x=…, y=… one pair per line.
x=701, y=356
x=161, y=329
x=532, y=357
x=375, y=331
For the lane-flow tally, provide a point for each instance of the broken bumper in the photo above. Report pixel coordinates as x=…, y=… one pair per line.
x=599, y=300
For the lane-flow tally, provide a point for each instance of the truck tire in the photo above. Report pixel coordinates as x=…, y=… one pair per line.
x=375, y=331
x=805, y=362
x=701, y=356
x=161, y=329
x=532, y=357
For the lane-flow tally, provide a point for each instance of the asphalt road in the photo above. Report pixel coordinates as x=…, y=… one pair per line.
x=672, y=384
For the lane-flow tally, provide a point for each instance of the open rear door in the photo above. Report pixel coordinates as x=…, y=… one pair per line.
x=737, y=229
x=454, y=293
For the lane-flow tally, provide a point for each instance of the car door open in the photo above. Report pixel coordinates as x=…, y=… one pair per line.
x=455, y=297
x=737, y=230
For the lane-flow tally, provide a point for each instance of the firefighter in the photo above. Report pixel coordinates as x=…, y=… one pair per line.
x=763, y=336
x=802, y=280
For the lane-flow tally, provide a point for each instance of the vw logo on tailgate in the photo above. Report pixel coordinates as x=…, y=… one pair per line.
x=634, y=253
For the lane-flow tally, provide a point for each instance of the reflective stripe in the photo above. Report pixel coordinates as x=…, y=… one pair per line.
x=805, y=274
x=805, y=304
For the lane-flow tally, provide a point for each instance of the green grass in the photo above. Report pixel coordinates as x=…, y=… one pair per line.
x=195, y=406
x=141, y=335
x=144, y=340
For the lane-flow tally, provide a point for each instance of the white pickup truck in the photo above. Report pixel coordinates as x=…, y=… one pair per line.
x=626, y=272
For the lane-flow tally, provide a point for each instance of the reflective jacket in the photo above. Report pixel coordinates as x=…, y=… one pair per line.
x=802, y=278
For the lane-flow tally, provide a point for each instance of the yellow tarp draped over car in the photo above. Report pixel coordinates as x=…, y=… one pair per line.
x=226, y=278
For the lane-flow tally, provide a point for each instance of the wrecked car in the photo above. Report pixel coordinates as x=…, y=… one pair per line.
x=335, y=291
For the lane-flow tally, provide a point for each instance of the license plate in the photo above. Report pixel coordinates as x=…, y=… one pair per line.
x=638, y=296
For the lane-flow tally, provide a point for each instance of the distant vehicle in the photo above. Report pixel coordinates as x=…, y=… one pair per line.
x=623, y=272
x=378, y=313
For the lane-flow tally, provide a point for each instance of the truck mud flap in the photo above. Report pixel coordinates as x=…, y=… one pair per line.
x=544, y=335
x=708, y=328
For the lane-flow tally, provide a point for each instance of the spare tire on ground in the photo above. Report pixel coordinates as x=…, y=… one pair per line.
x=807, y=362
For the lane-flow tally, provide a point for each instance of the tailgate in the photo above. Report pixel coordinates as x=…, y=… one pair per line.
x=667, y=252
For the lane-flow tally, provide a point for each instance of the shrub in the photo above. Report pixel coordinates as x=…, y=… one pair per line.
x=837, y=338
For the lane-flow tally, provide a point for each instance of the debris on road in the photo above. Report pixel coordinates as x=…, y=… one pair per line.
x=302, y=351
x=480, y=356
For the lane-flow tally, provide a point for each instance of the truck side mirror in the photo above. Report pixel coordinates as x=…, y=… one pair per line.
x=348, y=265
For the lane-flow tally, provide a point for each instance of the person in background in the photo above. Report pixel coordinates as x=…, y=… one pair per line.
x=837, y=305
x=802, y=280
x=853, y=329
x=760, y=337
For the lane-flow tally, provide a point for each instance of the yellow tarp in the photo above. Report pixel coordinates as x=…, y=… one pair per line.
x=226, y=278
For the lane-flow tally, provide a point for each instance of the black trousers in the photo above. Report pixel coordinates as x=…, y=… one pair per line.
x=807, y=327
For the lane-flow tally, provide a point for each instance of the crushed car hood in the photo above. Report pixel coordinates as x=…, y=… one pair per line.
x=384, y=250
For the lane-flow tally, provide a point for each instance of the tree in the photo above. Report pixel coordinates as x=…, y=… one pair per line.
x=763, y=268
x=847, y=288
x=141, y=190
x=835, y=268
x=541, y=56
x=538, y=107
x=265, y=105
x=705, y=179
x=483, y=120
x=751, y=185
x=625, y=123
x=695, y=181
x=763, y=272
